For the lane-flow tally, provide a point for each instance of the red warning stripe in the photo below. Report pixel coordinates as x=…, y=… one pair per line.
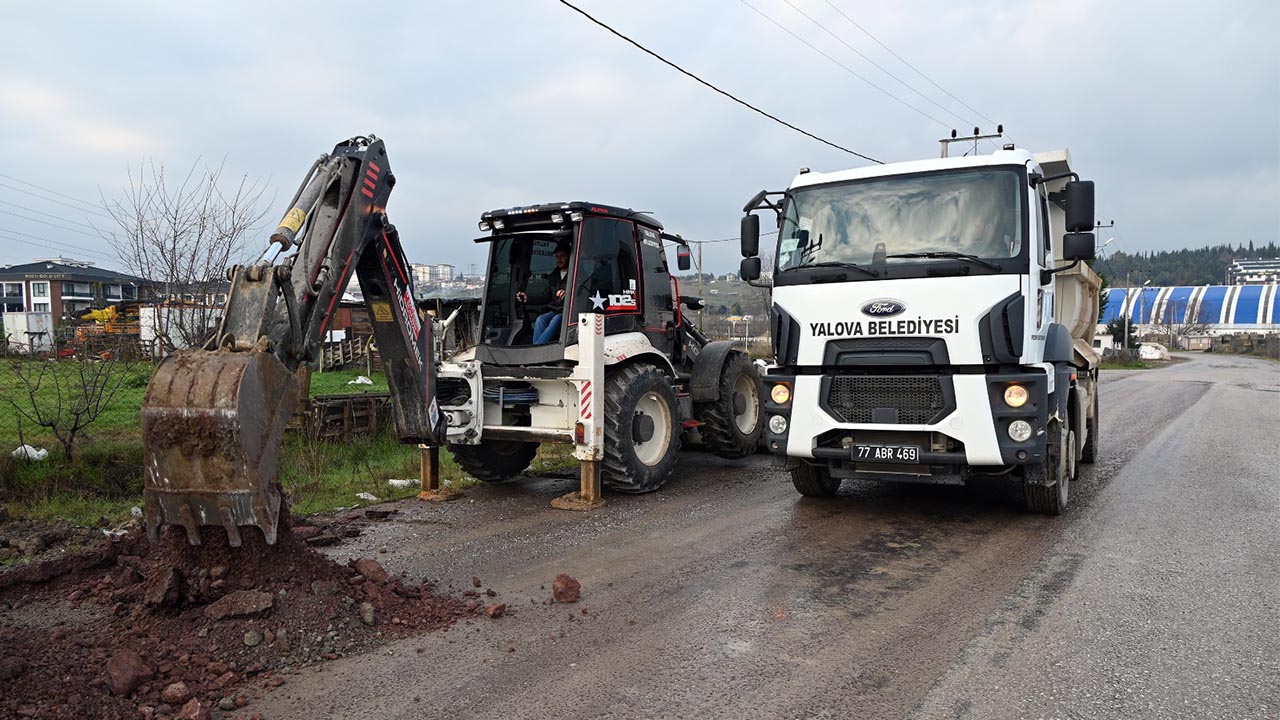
x=366, y=192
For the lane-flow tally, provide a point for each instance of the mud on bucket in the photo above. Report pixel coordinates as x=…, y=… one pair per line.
x=212, y=424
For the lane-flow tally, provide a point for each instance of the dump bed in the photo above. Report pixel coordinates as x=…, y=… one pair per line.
x=1076, y=289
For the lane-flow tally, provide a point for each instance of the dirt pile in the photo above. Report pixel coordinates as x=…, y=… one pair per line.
x=130, y=629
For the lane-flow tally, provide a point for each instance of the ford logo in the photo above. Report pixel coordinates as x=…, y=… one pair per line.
x=883, y=308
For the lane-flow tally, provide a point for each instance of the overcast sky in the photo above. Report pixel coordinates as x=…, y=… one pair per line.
x=1173, y=108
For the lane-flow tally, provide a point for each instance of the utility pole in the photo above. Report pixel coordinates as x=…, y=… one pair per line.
x=1128, y=311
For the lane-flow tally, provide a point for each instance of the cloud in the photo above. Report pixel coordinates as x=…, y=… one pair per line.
x=1175, y=112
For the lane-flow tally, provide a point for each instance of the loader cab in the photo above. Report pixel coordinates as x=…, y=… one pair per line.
x=616, y=266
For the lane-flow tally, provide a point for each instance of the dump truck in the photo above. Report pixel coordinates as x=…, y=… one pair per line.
x=933, y=322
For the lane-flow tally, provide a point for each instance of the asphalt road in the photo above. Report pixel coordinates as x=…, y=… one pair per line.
x=729, y=595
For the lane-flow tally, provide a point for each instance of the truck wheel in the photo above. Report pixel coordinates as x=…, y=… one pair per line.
x=494, y=460
x=641, y=429
x=1089, y=453
x=1046, y=486
x=814, y=480
x=731, y=424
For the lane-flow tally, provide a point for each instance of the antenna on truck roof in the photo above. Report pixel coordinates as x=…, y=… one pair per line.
x=977, y=135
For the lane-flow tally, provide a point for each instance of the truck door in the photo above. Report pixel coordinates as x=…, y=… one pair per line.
x=1044, y=249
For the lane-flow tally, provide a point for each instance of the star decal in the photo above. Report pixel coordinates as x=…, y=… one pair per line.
x=597, y=302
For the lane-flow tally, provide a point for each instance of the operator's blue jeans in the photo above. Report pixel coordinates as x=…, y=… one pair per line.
x=546, y=328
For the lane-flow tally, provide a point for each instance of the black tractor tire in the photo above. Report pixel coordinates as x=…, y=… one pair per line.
x=814, y=480
x=494, y=460
x=731, y=424
x=1089, y=453
x=1046, y=486
x=641, y=429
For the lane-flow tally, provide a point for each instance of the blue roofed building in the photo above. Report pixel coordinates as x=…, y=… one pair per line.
x=1204, y=310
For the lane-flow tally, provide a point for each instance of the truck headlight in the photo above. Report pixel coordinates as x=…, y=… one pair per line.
x=1015, y=396
x=781, y=393
x=1019, y=430
x=777, y=424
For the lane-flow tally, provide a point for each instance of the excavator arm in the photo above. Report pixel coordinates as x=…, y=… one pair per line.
x=213, y=418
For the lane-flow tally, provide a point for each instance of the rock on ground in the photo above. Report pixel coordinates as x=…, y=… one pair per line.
x=566, y=589
x=126, y=671
x=241, y=603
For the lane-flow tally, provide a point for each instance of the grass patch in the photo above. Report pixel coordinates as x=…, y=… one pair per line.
x=334, y=382
x=104, y=480
x=118, y=421
x=1120, y=364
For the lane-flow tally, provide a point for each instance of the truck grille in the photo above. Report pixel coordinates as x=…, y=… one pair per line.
x=917, y=399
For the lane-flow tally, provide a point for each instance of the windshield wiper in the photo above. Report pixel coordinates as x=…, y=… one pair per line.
x=835, y=264
x=947, y=254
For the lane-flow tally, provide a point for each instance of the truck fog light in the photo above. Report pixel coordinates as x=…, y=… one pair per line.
x=781, y=393
x=1019, y=430
x=778, y=425
x=1015, y=396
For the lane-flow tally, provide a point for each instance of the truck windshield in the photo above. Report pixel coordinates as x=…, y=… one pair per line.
x=971, y=212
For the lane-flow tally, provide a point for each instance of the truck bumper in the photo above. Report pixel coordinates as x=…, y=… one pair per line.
x=972, y=431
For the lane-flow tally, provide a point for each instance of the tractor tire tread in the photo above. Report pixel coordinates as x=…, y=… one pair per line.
x=720, y=433
x=486, y=462
x=620, y=471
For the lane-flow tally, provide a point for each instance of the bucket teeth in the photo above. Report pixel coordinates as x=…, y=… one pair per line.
x=212, y=423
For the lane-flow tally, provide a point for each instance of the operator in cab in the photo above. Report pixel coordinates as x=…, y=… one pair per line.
x=551, y=305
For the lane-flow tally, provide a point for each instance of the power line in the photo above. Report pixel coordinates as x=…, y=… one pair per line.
x=27, y=238
x=904, y=62
x=725, y=93
x=59, y=202
x=880, y=67
x=44, y=221
x=728, y=239
x=55, y=217
x=846, y=68
x=55, y=192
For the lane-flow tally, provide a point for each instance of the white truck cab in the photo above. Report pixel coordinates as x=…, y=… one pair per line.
x=933, y=320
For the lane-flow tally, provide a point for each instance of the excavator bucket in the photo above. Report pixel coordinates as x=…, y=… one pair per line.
x=212, y=424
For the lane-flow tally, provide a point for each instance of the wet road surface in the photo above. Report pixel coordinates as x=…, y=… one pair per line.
x=728, y=595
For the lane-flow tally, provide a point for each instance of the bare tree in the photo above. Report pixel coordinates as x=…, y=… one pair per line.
x=180, y=236
x=1175, y=328
x=67, y=396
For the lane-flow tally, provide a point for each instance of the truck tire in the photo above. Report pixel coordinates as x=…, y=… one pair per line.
x=1089, y=453
x=731, y=424
x=814, y=480
x=641, y=429
x=494, y=460
x=1046, y=487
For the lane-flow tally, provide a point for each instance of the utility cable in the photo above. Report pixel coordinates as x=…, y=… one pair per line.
x=55, y=192
x=846, y=68
x=59, y=202
x=27, y=238
x=54, y=225
x=904, y=62
x=725, y=93
x=877, y=65
x=53, y=217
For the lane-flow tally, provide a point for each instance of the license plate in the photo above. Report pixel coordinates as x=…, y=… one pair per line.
x=886, y=453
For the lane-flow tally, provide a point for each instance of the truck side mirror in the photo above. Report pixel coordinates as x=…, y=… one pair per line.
x=683, y=261
x=750, y=236
x=749, y=269
x=1078, y=246
x=1079, y=199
